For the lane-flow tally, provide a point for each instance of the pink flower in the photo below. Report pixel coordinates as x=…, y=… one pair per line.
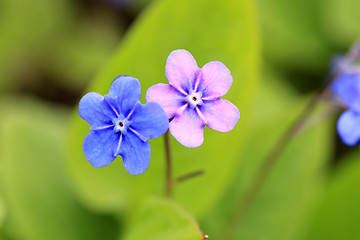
x=192, y=98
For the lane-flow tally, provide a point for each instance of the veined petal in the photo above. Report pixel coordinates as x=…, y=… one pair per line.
x=351, y=93
x=216, y=79
x=149, y=120
x=181, y=70
x=94, y=110
x=135, y=154
x=221, y=115
x=188, y=128
x=124, y=93
x=168, y=97
x=348, y=127
x=99, y=147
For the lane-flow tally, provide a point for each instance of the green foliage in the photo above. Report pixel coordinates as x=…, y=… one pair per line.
x=160, y=219
x=337, y=214
x=294, y=181
x=340, y=21
x=228, y=34
x=47, y=35
x=2, y=212
x=33, y=179
x=293, y=36
x=82, y=49
x=23, y=29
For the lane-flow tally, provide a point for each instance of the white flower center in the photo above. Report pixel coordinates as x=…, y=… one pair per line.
x=121, y=125
x=194, y=99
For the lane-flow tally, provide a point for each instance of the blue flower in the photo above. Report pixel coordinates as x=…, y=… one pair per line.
x=341, y=82
x=345, y=68
x=121, y=125
x=348, y=125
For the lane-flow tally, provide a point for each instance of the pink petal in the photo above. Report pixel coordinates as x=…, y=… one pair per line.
x=188, y=128
x=168, y=97
x=221, y=115
x=216, y=79
x=181, y=70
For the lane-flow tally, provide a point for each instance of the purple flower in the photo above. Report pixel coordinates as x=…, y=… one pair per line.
x=121, y=125
x=192, y=98
x=348, y=125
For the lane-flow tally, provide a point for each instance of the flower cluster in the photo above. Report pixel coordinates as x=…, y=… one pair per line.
x=346, y=87
x=121, y=125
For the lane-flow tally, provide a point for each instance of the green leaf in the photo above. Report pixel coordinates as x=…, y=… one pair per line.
x=161, y=219
x=293, y=36
x=337, y=213
x=26, y=28
x=282, y=206
x=210, y=30
x=2, y=212
x=340, y=20
x=33, y=179
x=83, y=47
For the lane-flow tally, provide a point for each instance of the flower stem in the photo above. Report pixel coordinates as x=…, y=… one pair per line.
x=168, y=183
x=189, y=176
x=260, y=176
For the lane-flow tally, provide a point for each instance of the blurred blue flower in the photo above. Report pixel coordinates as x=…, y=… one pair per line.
x=345, y=69
x=121, y=125
x=348, y=124
x=345, y=87
x=341, y=82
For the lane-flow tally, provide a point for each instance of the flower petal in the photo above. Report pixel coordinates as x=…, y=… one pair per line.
x=348, y=127
x=351, y=93
x=181, y=70
x=124, y=93
x=99, y=147
x=216, y=79
x=188, y=128
x=135, y=154
x=94, y=110
x=340, y=84
x=168, y=97
x=149, y=120
x=221, y=115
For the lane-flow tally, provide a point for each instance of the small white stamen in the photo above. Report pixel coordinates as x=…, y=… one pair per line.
x=180, y=90
x=138, y=134
x=209, y=98
x=201, y=115
x=118, y=147
x=197, y=82
x=102, y=127
x=181, y=109
x=132, y=111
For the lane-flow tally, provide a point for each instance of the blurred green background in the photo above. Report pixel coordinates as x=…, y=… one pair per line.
x=279, y=52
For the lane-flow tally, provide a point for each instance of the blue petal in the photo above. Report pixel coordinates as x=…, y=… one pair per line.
x=149, y=120
x=94, y=110
x=348, y=127
x=135, y=153
x=99, y=147
x=124, y=93
x=339, y=84
x=351, y=93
